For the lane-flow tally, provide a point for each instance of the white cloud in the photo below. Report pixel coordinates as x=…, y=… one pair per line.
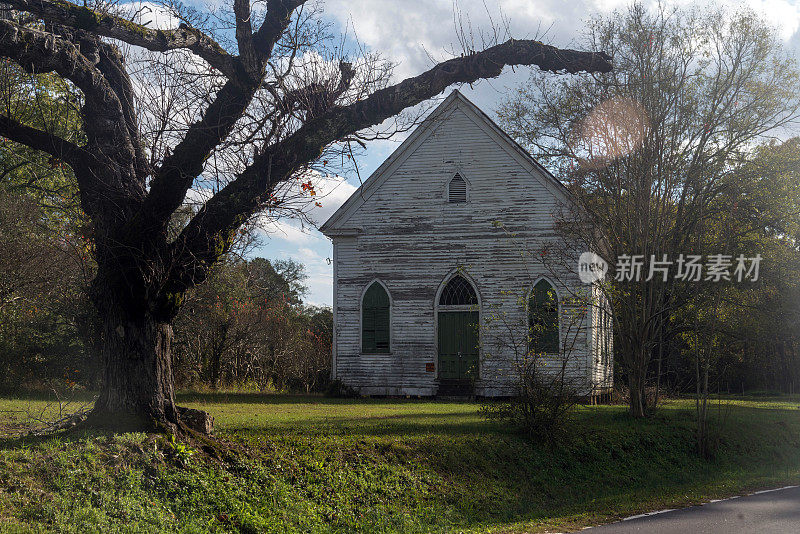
x=410, y=33
x=415, y=34
x=198, y=195
x=332, y=192
x=307, y=254
x=291, y=231
x=781, y=13
x=320, y=285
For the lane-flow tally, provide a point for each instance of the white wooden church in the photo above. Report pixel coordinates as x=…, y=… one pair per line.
x=420, y=267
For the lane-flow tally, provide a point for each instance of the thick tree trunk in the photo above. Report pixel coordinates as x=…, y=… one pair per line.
x=137, y=392
x=137, y=388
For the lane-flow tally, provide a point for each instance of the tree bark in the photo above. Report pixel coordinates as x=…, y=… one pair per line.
x=636, y=388
x=137, y=390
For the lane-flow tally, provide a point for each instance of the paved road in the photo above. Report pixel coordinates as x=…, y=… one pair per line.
x=771, y=512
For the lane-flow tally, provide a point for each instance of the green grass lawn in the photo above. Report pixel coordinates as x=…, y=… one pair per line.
x=331, y=465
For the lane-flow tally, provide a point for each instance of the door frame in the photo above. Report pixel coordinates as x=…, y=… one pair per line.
x=472, y=308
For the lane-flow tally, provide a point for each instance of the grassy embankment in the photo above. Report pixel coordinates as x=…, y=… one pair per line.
x=316, y=464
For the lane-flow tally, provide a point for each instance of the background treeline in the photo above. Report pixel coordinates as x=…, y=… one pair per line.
x=247, y=327
x=751, y=329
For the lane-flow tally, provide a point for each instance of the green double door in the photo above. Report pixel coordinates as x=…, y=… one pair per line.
x=458, y=344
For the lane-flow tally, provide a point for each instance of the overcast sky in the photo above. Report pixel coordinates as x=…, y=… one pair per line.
x=409, y=32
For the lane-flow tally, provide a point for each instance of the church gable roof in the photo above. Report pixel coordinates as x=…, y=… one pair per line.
x=337, y=223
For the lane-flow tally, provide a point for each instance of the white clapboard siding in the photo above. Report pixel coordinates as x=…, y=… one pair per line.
x=401, y=229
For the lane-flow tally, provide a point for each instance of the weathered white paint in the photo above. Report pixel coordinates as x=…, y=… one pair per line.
x=399, y=228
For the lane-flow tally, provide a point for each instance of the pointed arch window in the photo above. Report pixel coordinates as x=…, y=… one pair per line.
x=458, y=292
x=457, y=190
x=375, y=319
x=543, y=318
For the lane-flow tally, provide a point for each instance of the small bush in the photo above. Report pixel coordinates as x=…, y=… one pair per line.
x=338, y=389
x=542, y=401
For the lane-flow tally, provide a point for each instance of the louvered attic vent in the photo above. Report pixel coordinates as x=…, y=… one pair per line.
x=457, y=191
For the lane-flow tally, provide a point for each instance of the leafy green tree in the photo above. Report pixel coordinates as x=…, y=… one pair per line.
x=277, y=280
x=247, y=326
x=47, y=325
x=647, y=148
x=756, y=328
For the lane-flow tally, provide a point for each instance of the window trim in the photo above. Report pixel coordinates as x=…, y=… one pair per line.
x=361, y=319
x=469, y=284
x=528, y=295
x=450, y=307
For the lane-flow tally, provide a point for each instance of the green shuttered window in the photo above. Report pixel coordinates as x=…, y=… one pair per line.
x=543, y=318
x=375, y=320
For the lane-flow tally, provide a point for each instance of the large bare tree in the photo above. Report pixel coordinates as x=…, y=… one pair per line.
x=250, y=95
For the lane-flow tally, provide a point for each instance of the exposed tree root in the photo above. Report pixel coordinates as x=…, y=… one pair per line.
x=182, y=421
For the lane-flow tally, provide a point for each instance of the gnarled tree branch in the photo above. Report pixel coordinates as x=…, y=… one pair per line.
x=178, y=171
x=56, y=146
x=40, y=52
x=116, y=27
x=279, y=14
x=244, y=32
